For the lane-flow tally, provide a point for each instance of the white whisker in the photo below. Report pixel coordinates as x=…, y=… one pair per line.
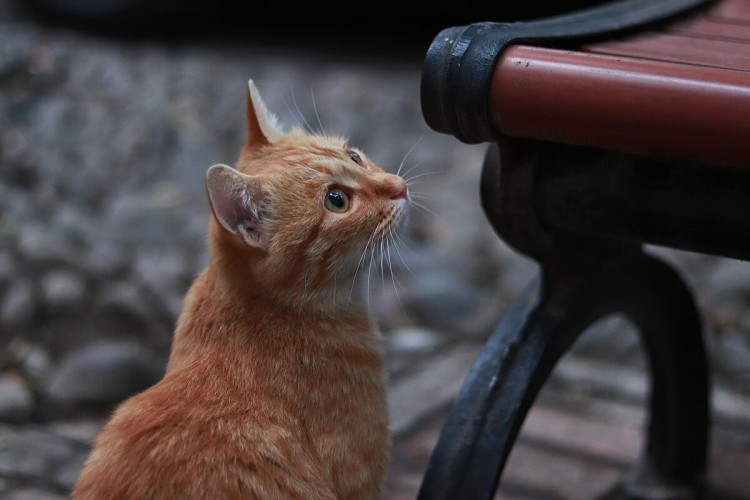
x=359, y=263
x=420, y=196
x=315, y=108
x=422, y=207
x=401, y=256
x=369, y=271
x=411, y=169
x=382, y=265
x=394, y=280
x=423, y=174
x=401, y=165
x=307, y=125
x=294, y=114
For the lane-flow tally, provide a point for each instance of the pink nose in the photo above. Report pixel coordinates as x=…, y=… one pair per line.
x=399, y=190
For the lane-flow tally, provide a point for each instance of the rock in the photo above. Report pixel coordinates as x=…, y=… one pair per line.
x=16, y=403
x=167, y=275
x=6, y=270
x=386, y=305
x=37, y=246
x=33, y=454
x=103, y=374
x=82, y=431
x=18, y=304
x=517, y=272
x=125, y=302
x=74, y=223
x=732, y=349
x=613, y=338
x=408, y=345
x=146, y=217
x=441, y=301
x=729, y=277
x=414, y=339
x=105, y=259
x=35, y=362
x=63, y=291
x=33, y=494
x=67, y=473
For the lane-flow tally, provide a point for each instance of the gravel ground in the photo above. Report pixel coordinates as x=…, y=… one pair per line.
x=103, y=147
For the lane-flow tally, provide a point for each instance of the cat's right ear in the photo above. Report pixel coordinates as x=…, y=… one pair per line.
x=262, y=126
x=237, y=202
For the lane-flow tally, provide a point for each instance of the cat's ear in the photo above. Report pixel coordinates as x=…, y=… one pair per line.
x=262, y=126
x=237, y=202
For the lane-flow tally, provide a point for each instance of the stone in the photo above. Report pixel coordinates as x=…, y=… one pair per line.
x=35, y=362
x=38, y=247
x=80, y=430
x=732, y=349
x=106, y=259
x=33, y=494
x=125, y=302
x=137, y=216
x=67, y=473
x=729, y=277
x=164, y=273
x=63, y=291
x=103, y=374
x=33, y=454
x=443, y=301
x=414, y=339
x=16, y=403
x=614, y=338
x=18, y=304
x=6, y=269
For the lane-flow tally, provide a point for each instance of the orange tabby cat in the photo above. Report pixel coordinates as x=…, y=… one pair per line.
x=275, y=383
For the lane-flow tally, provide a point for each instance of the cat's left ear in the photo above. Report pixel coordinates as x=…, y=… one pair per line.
x=237, y=202
x=262, y=125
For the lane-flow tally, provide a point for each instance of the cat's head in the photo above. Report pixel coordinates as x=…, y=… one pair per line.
x=301, y=212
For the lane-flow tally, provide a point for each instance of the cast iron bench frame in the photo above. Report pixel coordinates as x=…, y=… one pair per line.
x=595, y=156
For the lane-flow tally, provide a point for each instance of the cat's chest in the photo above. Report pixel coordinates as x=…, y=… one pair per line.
x=351, y=439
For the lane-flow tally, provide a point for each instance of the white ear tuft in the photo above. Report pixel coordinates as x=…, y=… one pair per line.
x=262, y=125
x=236, y=200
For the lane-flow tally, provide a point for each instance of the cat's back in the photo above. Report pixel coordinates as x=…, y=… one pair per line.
x=173, y=442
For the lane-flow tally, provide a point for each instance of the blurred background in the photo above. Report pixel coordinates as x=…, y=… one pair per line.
x=110, y=114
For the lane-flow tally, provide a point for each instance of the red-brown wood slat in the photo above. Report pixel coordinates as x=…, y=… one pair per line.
x=677, y=48
x=731, y=9
x=624, y=104
x=715, y=28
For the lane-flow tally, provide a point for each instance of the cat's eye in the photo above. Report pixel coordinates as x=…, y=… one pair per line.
x=336, y=200
x=354, y=156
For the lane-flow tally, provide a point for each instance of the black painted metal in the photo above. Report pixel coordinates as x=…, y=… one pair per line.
x=584, y=277
x=642, y=199
x=459, y=64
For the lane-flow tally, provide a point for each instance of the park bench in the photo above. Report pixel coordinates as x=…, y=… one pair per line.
x=613, y=127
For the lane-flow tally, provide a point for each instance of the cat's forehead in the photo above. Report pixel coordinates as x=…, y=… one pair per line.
x=321, y=156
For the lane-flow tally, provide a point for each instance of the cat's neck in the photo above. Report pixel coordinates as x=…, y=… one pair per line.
x=227, y=313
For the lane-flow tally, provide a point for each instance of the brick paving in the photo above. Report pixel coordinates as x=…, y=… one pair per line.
x=573, y=446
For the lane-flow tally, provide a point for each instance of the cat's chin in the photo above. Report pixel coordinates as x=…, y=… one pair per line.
x=401, y=214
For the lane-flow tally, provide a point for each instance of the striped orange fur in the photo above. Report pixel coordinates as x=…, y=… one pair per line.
x=275, y=386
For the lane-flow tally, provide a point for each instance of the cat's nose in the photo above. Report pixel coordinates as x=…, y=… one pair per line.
x=399, y=189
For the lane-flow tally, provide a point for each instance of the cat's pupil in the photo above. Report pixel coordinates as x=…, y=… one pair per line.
x=336, y=199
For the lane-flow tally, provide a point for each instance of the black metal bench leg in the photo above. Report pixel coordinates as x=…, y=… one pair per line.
x=519, y=356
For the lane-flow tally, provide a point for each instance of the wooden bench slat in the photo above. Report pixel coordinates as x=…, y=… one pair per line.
x=624, y=104
x=715, y=28
x=731, y=9
x=680, y=49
